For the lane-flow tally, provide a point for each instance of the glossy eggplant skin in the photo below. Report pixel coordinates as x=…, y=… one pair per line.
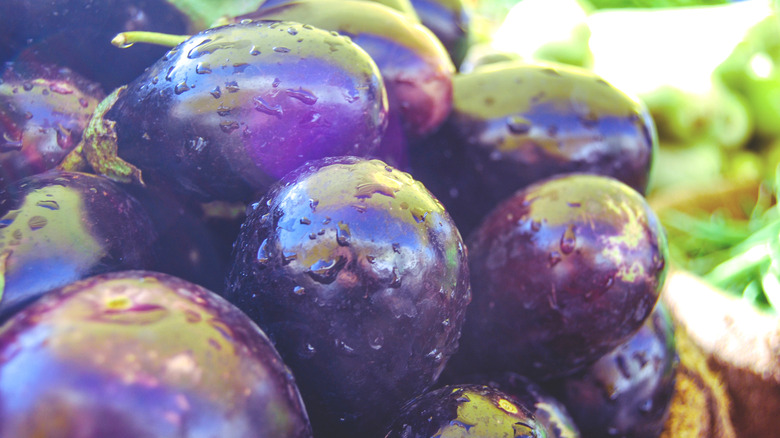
x=234, y=108
x=450, y=21
x=77, y=34
x=515, y=123
x=360, y=278
x=547, y=409
x=416, y=68
x=58, y=227
x=563, y=272
x=43, y=112
x=467, y=410
x=627, y=392
x=142, y=354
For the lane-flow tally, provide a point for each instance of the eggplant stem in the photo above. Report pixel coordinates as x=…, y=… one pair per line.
x=126, y=39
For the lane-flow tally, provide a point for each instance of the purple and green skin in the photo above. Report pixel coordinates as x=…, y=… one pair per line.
x=43, y=112
x=546, y=409
x=403, y=6
x=232, y=109
x=360, y=278
x=450, y=21
x=626, y=393
x=456, y=411
x=142, y=354
x=58, y=227
x=515, y=123
x=563, y=272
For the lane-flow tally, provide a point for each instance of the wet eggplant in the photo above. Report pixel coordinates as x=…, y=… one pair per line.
x=562, y=272
x=58, y=227
x=234, y=108
x=43, y=112
x=515, y=123
x=360, y=278
x=142, y=354
x=467, y=410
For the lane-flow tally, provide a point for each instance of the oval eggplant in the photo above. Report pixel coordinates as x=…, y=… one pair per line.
x=563, y=272
x=515, y=123
x=360, y=277
x=626, y=393
x=43, y=112
x=58, y=227
x=142, y=354
x=466, y=410
x=234, y=108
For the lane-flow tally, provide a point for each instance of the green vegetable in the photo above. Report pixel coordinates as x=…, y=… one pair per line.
x=737, y=254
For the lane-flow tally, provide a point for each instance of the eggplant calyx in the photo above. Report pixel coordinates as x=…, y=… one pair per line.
x=98, y=147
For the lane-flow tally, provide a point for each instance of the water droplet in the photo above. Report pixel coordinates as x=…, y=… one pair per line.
x=312, y=236
x=536, y=226
x=343, y=234
x=239, y=67
x=83, y=102
x=518, y=125
x=209, y=45
x=288, y=257
x=395, y=280
x=646, y=407
x=608, y=283
x=554, y=258
x=551, y=72
x=223, y=110
x=228, y=126
x=623, y=366
x=169, y=75
x=28, y=115
x=313, y=205
x=344, y=347
x=262, y=253
x=370, y=259
x=281, y=50
x=9, y=218
x=418, y=214
x=298, y=290
x=305, y=221
x=326, y=271
x=326, y=221
x=37, y=222
x=304, y=96
x=568, y=240
x=48, y=204
x=181, y=87
x=352, y=95
x=203, y=68
x=254, y=51
x=376, y=340
x=192, y=316
x=17, y=234
x=27, y=86
x=264, y=107
x=397, y=248
x=292, y=31
x=307, y=351
x=276, y=82
x=216, y=92
x=231, y=86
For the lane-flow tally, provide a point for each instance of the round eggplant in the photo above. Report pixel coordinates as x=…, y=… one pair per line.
x=232, y=109
x=515, y=123
x=142, y=354
x=58, y=227
x=467, y=410
x=563, y=272
x=360, y=278
x=43, y=112
x=626, y=393
x=77, y=34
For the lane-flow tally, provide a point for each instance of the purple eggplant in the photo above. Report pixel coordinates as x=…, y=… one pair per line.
x=233, y=108
x=563, y=272
x=142, y=354
x=77, y=34
x=467, y=410
x=626, y=393
x=58, y=227
x=360, y=278
x=43, y=112
x=450, y=21
x=515, y=123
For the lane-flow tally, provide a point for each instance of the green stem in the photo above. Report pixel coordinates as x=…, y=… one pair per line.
x=126, y=39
